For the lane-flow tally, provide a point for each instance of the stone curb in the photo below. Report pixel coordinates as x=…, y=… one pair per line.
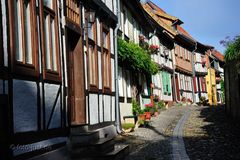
x=178, y=147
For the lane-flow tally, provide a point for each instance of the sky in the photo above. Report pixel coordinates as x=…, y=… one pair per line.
x=207, y=21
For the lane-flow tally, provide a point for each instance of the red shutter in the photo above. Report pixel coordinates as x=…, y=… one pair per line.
x=204, y=85
x=194, y=84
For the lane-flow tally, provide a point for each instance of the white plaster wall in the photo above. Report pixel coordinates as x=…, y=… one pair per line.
x=120, y=81
x=24, y=109
x=113, y=108
x=125, y=110
x=98, y=32
x=93, y=108
x=196, y=97
x=87, y=118
x=107, y=108
x=51, y=91
x=112, y=40
x=101, y=108
x=128, y=83
x=109, y=4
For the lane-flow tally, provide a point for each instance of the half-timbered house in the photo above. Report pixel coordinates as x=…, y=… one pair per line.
x=57, y=81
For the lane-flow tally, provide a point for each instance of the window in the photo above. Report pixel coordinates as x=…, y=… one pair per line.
x=92, y=55
x=51, y=44
x=181, y=81
x=1, y=39
x=23, y=37
x=203, y=84
x=106, y=59
x=72, y=11
x=166, y=83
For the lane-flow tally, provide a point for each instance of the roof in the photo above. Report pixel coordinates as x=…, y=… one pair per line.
x=151, y=12
x=184, y=32
x=218, y=55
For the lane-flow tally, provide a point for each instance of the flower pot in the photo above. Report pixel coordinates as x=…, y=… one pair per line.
x=156, y=114
x=148, y=115
x=141, y=117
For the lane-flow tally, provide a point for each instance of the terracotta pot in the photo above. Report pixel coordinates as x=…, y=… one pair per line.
x=148, y=115
x=156, y=114
x=141, y=117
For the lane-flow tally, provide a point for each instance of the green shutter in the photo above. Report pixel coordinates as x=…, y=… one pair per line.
x=164, y=82
x=169, y=84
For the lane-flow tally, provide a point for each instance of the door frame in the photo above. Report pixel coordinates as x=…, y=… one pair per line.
x=75, y=63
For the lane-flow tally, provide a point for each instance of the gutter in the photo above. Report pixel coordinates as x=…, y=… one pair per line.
x=193, y=70
x=117, y=106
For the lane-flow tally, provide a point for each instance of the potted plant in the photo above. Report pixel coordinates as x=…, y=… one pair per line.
x=150, y=108
x=154, y=49
x=160, y=105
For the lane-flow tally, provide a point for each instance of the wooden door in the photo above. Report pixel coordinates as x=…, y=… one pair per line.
x=177, y=88
x=76, y=85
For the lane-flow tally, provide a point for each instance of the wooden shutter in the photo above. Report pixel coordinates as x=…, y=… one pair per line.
x=194, y=84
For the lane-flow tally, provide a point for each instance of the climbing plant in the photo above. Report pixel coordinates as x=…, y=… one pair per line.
x=136, y=58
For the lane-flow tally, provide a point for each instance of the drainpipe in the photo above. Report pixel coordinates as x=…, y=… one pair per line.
x=174, y=81
x=118, y=117
x=193, y=70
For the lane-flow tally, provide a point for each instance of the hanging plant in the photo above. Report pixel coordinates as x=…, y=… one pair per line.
x=136, y=58
x=154, y=49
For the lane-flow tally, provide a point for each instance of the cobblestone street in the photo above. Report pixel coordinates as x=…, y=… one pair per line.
x=153, y=142
x=207, y=134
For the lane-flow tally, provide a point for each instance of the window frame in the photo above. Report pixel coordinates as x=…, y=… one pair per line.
x=1, y=40
x=50, y=74
x=22, y=68
x=93, y=42
x=106, y=89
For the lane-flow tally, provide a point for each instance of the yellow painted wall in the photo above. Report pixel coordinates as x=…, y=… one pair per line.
x=211, y=88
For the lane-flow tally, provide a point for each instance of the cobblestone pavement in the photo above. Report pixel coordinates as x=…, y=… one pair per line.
x=153, y=142
x=209, y=134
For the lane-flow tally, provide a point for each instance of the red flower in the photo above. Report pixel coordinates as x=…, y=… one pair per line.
x=154, y=47
x=149, y=105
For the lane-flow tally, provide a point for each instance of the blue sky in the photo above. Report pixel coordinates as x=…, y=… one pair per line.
x=208, y=21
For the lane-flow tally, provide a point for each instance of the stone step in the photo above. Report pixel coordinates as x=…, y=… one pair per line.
x=119, y=152
x=84, y=137
x=103, y=145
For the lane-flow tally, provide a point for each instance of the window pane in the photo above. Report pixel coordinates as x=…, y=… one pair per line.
x=18, y=30
x=105, y=39
x=48, y=3
x=91, y=64
x=53, y=38
x=90, y=30
x=47, y=41
x=27, y=27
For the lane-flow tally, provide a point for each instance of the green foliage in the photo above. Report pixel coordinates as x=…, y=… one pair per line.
x=222, y=89
x=136, y=109
x=233, y=50
x=161, y=104
x=127, y=125
x=135, y=57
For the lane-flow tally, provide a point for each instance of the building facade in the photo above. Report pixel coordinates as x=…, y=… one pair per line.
x=57, y=73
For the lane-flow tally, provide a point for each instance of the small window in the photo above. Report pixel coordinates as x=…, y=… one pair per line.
x=51, y=44
x=106, y=59
x=92, y=54
x=24, y=49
